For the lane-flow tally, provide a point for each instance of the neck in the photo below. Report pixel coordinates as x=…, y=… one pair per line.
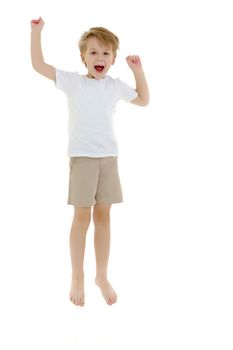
x=90, y=76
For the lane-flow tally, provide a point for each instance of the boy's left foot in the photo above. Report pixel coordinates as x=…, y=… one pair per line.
x=108, y=292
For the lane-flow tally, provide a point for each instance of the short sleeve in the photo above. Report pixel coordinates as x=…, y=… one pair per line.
x=125, y=91
x=65, y=80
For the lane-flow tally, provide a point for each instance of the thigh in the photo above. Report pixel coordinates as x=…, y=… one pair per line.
x=84, y=173
x=109, y=186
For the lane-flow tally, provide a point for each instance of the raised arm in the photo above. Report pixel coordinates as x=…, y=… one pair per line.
x=37, y=58
x=135, y=65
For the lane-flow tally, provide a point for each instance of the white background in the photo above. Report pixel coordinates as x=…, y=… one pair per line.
x=171, y=250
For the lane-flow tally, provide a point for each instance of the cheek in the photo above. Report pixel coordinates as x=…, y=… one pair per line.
x=88, y=61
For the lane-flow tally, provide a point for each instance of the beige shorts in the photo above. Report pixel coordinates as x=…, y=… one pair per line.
x=94, y=180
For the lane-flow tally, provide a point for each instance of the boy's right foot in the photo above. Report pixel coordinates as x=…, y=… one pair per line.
x=77, y=295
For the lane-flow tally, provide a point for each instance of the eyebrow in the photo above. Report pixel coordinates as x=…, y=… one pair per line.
x=96, y=49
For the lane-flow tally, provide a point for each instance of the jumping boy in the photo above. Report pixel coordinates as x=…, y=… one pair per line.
x=94, y=179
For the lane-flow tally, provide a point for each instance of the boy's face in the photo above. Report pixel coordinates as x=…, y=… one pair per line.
x=98, y=58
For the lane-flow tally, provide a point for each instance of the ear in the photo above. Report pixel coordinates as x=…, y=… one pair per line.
x=113, y=61
x=82, y=58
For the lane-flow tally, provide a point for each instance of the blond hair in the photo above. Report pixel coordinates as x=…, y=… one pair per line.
x=104, y=35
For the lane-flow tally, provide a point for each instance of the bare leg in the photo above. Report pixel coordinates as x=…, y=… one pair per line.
x=80, y=224
x=101, y=218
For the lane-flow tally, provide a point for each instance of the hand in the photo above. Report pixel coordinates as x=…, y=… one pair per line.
x=37, y=24
x=134, y=62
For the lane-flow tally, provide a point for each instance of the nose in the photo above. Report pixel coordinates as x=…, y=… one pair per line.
x=99, y=57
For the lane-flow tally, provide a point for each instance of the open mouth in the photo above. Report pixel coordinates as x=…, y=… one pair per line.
x=99, y=68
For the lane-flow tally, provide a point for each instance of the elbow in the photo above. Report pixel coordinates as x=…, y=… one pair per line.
x=145, y=102
x=37, y=66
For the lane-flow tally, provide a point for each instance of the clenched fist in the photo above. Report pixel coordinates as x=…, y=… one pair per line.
x=37, y=24
x=134, y=62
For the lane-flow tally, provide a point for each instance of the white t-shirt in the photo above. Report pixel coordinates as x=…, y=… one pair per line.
x=91, y=105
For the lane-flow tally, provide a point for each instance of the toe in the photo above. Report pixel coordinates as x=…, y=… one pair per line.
x=81, y=301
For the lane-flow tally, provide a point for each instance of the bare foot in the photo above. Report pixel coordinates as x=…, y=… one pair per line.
x=108, y=292
x=77, y=291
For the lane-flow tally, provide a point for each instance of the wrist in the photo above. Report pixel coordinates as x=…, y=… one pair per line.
x=138, y=71
x=36, y=31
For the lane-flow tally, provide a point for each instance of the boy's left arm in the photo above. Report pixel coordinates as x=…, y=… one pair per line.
x=135, y=65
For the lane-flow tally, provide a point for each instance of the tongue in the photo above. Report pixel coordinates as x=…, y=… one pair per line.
x=99, y=68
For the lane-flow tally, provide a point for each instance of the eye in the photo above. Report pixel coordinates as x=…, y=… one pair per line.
x=106, y=53
x=93, y=52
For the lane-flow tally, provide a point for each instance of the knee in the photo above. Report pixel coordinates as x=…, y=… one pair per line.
x=82, y=215
x=101, y=217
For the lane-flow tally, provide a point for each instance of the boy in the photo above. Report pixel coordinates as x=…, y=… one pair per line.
x=94, y=179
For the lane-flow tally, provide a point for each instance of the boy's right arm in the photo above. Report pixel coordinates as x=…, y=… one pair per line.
x=36, y=52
